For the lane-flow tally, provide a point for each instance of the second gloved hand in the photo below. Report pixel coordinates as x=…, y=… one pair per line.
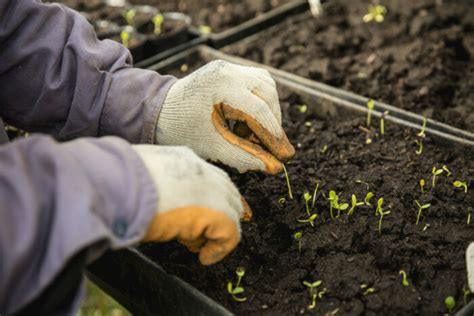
x=197, y=204
x=205, y=110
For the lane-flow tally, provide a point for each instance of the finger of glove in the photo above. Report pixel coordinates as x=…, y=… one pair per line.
x=261, y=74
x=269, y=95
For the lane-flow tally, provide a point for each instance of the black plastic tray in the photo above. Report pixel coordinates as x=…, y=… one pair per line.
x=257, y=24
x=142, y=285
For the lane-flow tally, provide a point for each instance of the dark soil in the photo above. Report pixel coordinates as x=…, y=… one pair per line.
x=218, y=14
x=421, y=58
x=347, y=252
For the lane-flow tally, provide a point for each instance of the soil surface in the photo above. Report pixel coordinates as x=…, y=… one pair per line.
x=220, y=15
x=348, y=252
x=421, y=58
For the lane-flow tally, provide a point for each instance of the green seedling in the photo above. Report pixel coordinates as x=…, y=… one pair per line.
x=450, y=303
x=205, y=29
x=435, y=172
x=315, y=193
x=465, y=293
x=375, y=13
x=368, y=290
x=445, y=168
x=354, y=204
x=324, y=149
x=367, y=198
x=422, y=185
x=382, y=214
x=314, y=294
x=297, y=236
x=157, y=22
x=307, y=197
x=378, y=210
x=310, y=219
x=282, y=201
x=419, y=150
x=423, y=127
x=234, y=291
x=382, y=122
x=370, y=108
x=125, y=38
x=404, y=278
x=362, y=182
x=420, y=209
x=460, y=184
x=368, y=141
x=468, y=215
x=302, y=108
x=129, y=16
x=334, y=204
x=290, y=193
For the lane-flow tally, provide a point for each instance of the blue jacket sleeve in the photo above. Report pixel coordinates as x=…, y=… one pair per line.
x=56, y=77
x=58, y=200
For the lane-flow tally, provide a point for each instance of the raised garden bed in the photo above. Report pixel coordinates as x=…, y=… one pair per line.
x=348, y=254
x=420, y=58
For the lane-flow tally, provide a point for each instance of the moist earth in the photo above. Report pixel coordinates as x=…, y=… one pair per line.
x=348, y=252
x=421, y=58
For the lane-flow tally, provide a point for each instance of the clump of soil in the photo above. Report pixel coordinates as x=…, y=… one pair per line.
x=218, y=14
x=347, y=252
x=421, y=58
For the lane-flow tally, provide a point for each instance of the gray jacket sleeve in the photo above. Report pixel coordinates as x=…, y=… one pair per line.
x=56, y=77
x=60, y=199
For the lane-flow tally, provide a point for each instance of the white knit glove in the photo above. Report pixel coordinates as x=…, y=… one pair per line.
x=205, y=111
x=197, y=203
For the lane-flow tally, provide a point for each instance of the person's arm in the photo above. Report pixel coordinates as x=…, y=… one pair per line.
x=57, y=77
x=59, y=200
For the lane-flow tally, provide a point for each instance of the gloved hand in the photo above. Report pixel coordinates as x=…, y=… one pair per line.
x=227, y=113
x=197, y=205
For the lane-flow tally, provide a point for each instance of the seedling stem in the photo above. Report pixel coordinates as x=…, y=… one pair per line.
x=435, y=172
x=419, y=150
x=234, y=291
x=290, y=193
x=460, y=184
x=420, y=209
x=370, y=106
x=404, y=276
x=382, y=122
x=422, y=184
x=297, y=236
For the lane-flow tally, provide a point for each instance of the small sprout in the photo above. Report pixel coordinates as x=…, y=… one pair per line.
x=130, y=16
x=334, y=204
x=297, y=236
x=423, y=127
x=205, y=29
x=354, y=204
x=307, y=197
x=315, y=193
x=308, y=124
x=378, y=210
x=445, y=168
x=450, y=303
x=368, y=141
x=313, y=292
x=290, y=193
x=368, y=197
x=382, y=214
x=368, y=291
x=420, y=209
x=302, y=108
x=240, y=271
x=435, y=172
x=460, y=184
x=324, y=149
x=362, y=182
x=310, y=219
x=468, y=215
x=370, y=107
x=419, y=150
x=282, y=201
x=422, y=185
x=157, y=22
x=465, y=293
x=375, y=13
x=426, y=227
x=125, y=38
x=184, y=68
x=382, y=122
x=404, y=278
